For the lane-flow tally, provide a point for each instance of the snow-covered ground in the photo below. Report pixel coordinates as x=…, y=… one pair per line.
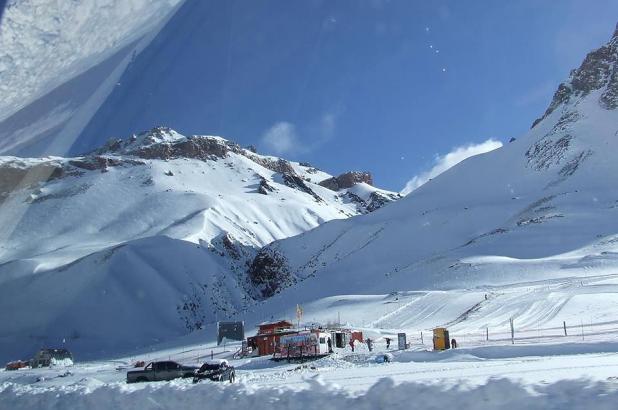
x=543, y=365
x=541, y=376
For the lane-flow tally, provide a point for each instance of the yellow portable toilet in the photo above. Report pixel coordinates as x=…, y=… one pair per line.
x=441, y=339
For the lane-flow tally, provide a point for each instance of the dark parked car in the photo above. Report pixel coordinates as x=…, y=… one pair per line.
x=218, y=371
x=160, y=371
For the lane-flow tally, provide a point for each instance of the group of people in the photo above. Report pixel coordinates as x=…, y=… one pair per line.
x=369, y=343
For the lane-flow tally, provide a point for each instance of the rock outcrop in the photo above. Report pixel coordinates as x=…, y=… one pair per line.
x=598, y=71
x=347, y=180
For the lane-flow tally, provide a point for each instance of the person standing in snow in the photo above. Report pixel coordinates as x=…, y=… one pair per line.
x=330, y=345
x=352, y=344
x=369, y=344
x=388, y=342
x=454, y=343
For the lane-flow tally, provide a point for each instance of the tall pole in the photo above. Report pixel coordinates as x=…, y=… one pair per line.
x=582, y=330
x=512, y=332
x=564, y=325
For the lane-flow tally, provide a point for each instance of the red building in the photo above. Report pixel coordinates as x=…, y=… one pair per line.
x=267, y=339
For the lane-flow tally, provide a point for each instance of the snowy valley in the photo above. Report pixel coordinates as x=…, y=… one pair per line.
x=134, y=251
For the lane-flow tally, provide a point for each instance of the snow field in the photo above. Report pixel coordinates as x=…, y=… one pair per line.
x=383, y=393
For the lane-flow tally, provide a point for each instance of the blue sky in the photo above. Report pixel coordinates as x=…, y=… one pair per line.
x=376, y=85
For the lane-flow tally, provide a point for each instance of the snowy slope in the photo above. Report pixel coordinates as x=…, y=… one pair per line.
x=149, y=237
x=544, y=206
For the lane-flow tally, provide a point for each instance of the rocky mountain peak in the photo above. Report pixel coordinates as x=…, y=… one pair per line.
x=597, y=72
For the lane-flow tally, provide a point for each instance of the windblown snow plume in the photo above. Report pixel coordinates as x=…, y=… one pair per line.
x=444, y=162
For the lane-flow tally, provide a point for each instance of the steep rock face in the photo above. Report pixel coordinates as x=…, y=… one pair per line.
x=378, y=200
x=597, y=72
x=375, y=201
x=268, y=273
x=296, y=182
x=347, y=180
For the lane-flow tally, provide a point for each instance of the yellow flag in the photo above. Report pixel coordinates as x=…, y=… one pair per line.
x=299, y=312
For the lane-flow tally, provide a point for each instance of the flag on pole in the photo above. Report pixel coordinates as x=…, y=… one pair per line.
x=299, y=313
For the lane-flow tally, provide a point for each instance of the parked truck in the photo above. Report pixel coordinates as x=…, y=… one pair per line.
x=160, y=371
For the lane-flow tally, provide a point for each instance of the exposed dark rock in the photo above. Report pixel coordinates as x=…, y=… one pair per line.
x=378, y=199
x=92, y=163
x=598, y=70
x=269, y=273
x=347, y=180
x=281, y=166
x=265, y=187
x=202, y=148
x=192, y=309
x=570, y=167
x=375, y=201
x=547, y=152
x=296, y=182
x=609, y=98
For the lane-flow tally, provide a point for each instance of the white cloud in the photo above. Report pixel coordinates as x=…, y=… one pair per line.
x=281, y=138
x=284, y=138
x=444, y=162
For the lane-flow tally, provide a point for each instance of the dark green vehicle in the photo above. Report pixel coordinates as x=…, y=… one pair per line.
x=160, y=371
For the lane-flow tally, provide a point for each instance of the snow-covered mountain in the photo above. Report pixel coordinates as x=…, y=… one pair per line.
x=543, y=206
x=154, y=234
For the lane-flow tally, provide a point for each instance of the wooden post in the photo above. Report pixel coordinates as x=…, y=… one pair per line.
x=512, y=332
x=564, y=326
x=487, y=334
x=211, y=355
x=422, y=342
x=582, y=330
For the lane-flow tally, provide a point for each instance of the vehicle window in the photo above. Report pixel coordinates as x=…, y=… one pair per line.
x=322, y=340
x=149, y=367
x=208, y=367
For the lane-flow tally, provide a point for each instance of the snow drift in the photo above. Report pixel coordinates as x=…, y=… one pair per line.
x=496, y=394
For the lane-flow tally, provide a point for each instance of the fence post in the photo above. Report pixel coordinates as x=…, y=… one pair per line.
x=582, y=329
x=512, y=332
x=487, y=334
x=564, y=325
x=422, y=342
